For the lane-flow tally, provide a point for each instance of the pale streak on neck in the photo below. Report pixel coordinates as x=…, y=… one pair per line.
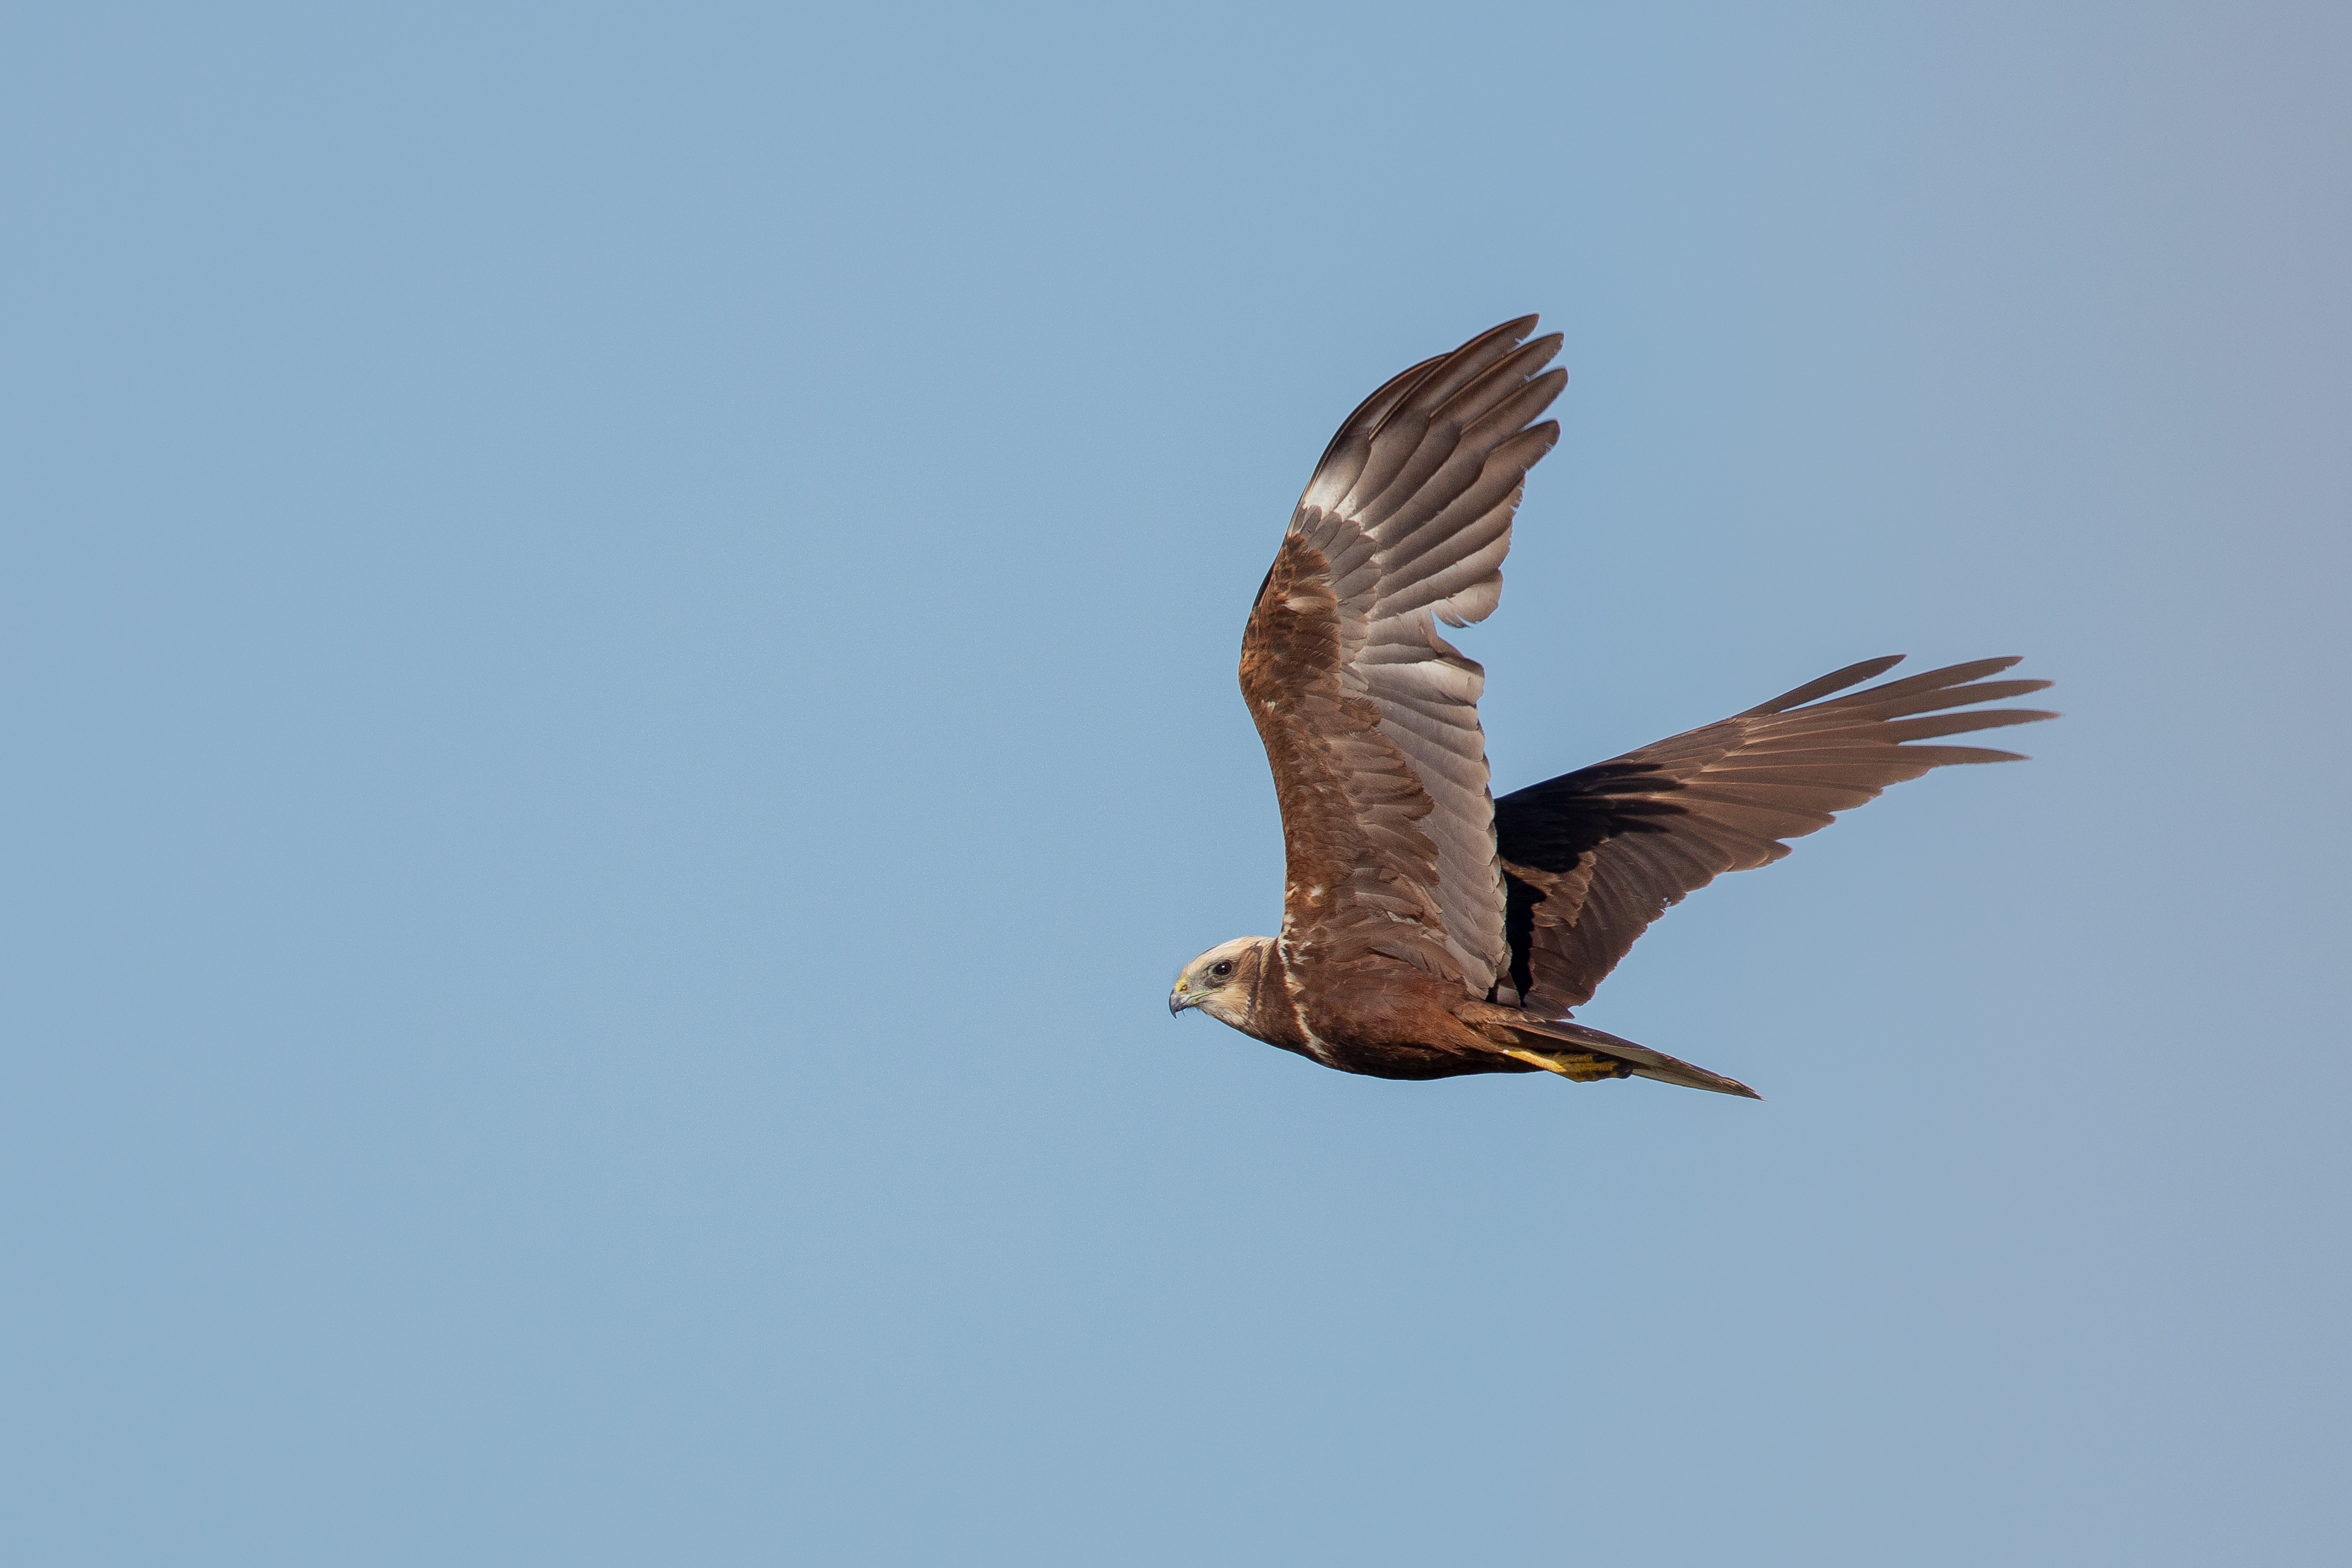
x=1315, y=1044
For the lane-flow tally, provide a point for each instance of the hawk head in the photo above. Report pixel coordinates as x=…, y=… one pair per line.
x=1222, y=982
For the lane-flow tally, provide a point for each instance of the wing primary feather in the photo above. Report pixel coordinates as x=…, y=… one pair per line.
x=1836, y=681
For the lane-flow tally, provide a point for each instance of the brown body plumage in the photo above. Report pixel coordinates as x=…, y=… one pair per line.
x=1428, y=929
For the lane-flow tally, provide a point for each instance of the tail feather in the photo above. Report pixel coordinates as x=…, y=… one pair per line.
x=1505, y=1026
x=1646, y=1062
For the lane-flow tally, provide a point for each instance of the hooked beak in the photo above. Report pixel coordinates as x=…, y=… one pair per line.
x=1180, y=998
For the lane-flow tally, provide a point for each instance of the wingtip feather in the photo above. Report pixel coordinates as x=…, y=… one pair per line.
x=1836, y=681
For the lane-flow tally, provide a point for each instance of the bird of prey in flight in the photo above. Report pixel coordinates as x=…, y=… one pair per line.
x=1428, y=929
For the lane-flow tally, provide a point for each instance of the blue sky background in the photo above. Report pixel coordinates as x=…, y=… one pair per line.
x=617, y=629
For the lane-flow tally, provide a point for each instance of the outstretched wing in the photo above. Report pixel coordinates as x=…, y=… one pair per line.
x=1370, y=718
x=1591, y=858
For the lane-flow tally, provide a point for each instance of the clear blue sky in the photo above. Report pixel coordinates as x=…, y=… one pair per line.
x=616, y=642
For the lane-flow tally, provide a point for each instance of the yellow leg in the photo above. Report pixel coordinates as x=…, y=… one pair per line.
x=1583, y=1067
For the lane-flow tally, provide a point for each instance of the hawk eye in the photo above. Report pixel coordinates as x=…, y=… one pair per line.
x=1221, y=968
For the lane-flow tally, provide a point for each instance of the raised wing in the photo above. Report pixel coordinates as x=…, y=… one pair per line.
x=1594, y=856
x=1370, y=718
